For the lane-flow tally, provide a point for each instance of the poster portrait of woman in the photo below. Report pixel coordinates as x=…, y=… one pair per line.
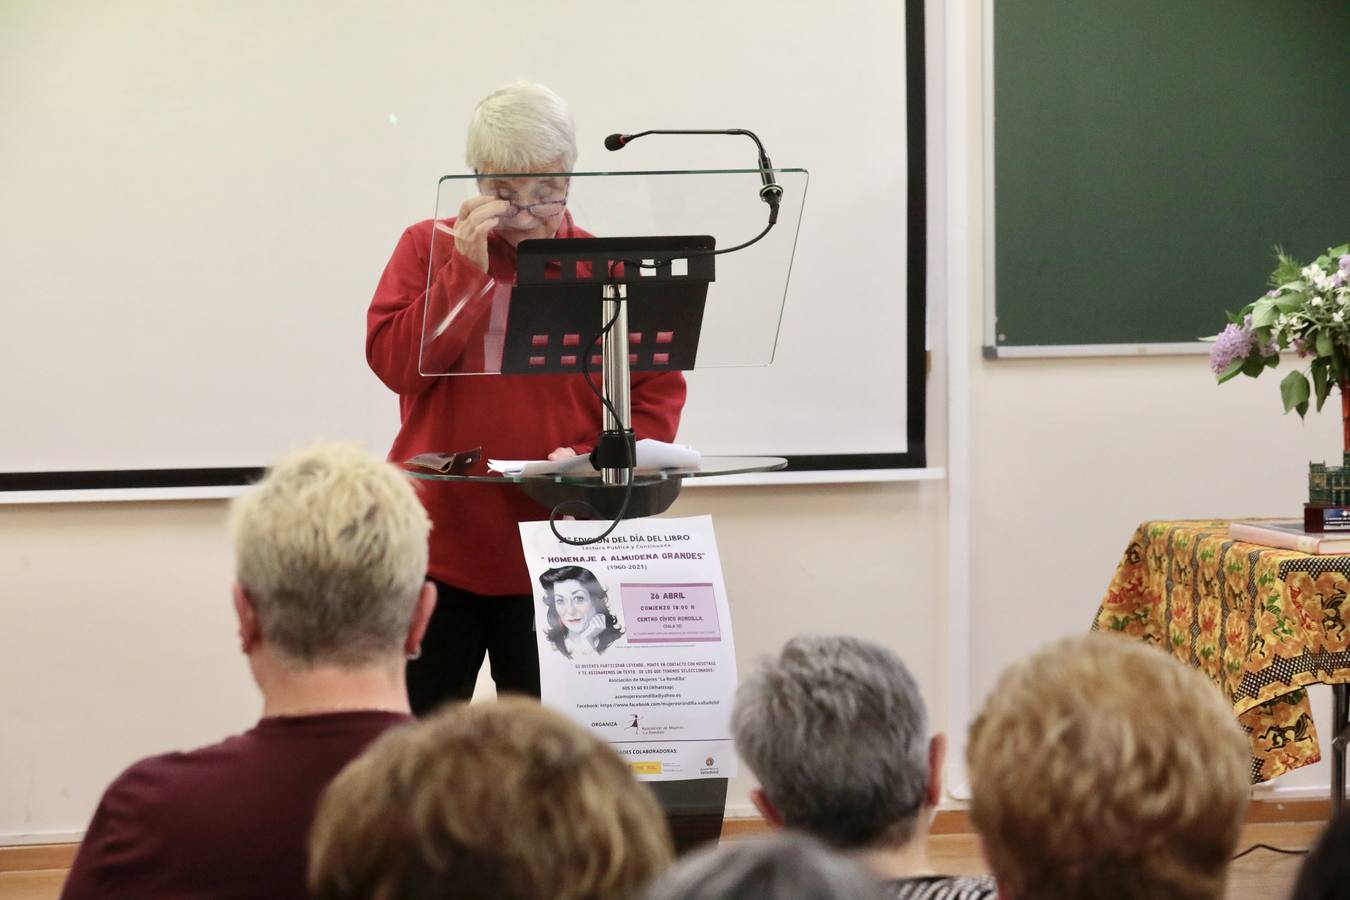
x=579, y=622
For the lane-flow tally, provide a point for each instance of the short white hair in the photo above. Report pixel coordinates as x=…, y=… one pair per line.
x=522, y=127
x=331, y=549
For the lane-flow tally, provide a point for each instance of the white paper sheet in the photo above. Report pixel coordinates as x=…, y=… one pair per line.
x=651, y=454
x=648, y=661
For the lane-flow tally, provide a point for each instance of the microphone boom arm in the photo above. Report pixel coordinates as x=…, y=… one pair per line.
x=771, y=192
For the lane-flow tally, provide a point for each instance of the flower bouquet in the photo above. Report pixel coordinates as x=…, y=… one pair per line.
x=1307, y=310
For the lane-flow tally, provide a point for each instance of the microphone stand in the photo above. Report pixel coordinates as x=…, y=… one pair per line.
x=615, y=452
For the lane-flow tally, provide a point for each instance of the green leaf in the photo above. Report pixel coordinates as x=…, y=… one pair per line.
x=1233, y=370
x=1325, y=346
x=1252, y=365
x=1286, y=271
x=1294, y=391
x=1264, y=313
x=1321, y=383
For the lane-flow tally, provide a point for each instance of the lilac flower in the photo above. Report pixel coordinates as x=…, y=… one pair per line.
x=1344, y=263
x=1233, y=343
x=1299, y=346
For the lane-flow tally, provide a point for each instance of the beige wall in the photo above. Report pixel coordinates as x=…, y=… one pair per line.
x=117, y=642
x=119, y=639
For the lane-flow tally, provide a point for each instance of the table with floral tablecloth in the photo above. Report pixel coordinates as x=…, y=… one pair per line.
x=1263, y=623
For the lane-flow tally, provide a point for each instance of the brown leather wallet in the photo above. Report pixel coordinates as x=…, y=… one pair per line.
x=455, y=463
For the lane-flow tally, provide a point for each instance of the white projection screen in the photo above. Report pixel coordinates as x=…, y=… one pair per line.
x=198, y=199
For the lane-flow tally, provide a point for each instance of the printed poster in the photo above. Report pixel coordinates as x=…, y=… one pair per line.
x=635, y=640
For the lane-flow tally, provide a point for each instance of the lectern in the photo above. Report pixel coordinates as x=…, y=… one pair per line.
x=632, y=283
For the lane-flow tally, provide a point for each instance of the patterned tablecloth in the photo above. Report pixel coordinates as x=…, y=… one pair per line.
x=1262, y=623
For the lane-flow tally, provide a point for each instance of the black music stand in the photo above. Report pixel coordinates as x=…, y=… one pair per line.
x=654, y=288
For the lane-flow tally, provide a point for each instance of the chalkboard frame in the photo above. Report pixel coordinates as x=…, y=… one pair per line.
x=16, y=484
x=1255, y=260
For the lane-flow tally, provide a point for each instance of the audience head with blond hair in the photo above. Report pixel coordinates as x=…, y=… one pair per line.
x=1102, y=768
x=507, y=800
x=331, y=550
x=330, y=563
x=785, y=867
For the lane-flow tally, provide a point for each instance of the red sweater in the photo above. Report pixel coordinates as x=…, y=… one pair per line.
x=475, y=544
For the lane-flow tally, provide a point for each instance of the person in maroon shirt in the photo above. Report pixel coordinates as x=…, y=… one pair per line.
x=430, y=338
x=331, y=555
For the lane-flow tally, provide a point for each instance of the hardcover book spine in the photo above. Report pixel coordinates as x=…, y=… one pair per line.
x=1269, y=537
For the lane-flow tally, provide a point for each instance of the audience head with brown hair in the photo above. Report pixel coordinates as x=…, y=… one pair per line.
x=507, y=800
x=1102, y=768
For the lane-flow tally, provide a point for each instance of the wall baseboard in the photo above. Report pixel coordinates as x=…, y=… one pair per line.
x=36, y=857
x=957, y=820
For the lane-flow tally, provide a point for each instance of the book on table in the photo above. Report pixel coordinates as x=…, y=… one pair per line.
x=1289, y=535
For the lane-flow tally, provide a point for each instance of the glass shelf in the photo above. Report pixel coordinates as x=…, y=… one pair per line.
x=711, y=466
x=474, y=325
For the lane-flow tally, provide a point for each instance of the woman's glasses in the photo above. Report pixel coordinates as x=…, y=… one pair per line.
x=545, y=210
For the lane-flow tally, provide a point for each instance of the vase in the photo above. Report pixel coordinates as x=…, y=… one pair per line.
x=1328, y=505
x=1345, y=416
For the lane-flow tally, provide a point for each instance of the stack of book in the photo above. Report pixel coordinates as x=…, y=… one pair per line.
x=1289, y=534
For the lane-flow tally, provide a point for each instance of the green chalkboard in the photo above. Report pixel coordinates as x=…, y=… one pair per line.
x=1148, y=154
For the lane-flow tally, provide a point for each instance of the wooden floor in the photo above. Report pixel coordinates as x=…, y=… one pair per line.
x=1260, y=875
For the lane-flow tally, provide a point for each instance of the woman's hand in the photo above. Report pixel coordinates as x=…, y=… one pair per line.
x=593, y=628
x=477, y=217
x=562, y=453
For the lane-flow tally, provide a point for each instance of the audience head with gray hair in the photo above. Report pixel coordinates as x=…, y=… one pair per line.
x=331, y=556
x=785, y=867
x=835, y=730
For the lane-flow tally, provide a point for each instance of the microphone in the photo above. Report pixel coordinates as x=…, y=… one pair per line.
x=771, y=192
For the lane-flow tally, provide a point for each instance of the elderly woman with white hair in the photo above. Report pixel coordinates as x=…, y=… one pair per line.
x=485, y=603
